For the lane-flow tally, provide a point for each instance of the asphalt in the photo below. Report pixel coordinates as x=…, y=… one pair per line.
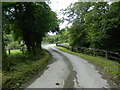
x=68, y=71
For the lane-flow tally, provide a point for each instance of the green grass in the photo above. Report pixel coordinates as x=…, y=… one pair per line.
x=20, y=68
x=108, y=66
x=12, y=52
x=67, y=44
x=0, y=77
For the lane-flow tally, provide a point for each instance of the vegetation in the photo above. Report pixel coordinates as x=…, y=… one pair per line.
x=94, y=25
x=20, y=68
x=60, y=37
x=24, y=24
x=29, y=22
x=108, y=66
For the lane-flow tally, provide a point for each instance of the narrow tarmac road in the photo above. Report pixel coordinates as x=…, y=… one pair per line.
x=68, y=71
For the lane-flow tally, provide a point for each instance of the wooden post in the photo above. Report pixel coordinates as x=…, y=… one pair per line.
x=72, y=49
x=8, y=51
x=106, y=54
x=94, y=53
x=69, y=48
x=22, y=50
x=56, y=44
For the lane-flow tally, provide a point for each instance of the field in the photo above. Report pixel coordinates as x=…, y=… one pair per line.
x=13, y=52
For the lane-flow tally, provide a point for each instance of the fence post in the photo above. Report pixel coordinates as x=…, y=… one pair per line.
x=8, y=51
x=72, y=48
x=106, y=54
x=56, y=44
x=94, y=53
x=22, y=50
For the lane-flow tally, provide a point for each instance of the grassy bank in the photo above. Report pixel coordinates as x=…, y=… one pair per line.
x=21, y=68
x=108, y=66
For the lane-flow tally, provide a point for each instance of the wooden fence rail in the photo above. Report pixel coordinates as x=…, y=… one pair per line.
x=94, y=52
x=20, y=49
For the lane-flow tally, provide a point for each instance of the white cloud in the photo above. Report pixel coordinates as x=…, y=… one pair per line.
x=57, y=5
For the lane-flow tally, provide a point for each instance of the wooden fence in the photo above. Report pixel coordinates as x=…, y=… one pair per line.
x=94, y=52
x=20, y=49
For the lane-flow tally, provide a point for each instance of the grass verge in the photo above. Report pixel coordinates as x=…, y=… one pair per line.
x=108, y=66
x=22, y=68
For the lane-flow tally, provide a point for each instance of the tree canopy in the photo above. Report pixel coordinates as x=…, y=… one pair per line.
x=94, y=24
x=29, y=22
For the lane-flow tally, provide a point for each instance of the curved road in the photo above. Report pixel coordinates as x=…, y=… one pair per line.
x=68, y=71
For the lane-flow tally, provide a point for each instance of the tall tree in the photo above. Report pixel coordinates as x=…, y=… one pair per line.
x=76, y=13
x=94, y=25
x=29, y=22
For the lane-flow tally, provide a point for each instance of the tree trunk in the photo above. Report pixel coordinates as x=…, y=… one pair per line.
x=28, y=47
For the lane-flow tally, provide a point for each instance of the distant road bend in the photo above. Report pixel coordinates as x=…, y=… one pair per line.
x=68, y=71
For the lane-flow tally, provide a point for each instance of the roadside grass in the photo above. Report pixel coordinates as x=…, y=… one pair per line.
x=0, y=78
x=21, y=68
x=108, y=66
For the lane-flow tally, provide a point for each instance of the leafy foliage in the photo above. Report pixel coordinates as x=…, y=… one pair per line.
x=61, y=37
x=29, y=22
x=94, y=24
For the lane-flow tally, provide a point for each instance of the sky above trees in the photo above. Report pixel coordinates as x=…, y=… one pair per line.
x=57, y=5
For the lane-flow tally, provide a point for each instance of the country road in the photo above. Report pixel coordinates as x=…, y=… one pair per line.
x=68, y=71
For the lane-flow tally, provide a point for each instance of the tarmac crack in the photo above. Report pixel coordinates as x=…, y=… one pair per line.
x=76, y=79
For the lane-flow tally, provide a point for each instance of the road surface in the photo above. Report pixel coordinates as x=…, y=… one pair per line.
x=68, y=71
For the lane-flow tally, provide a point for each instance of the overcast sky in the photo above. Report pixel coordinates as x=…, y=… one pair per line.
x=57, y=5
